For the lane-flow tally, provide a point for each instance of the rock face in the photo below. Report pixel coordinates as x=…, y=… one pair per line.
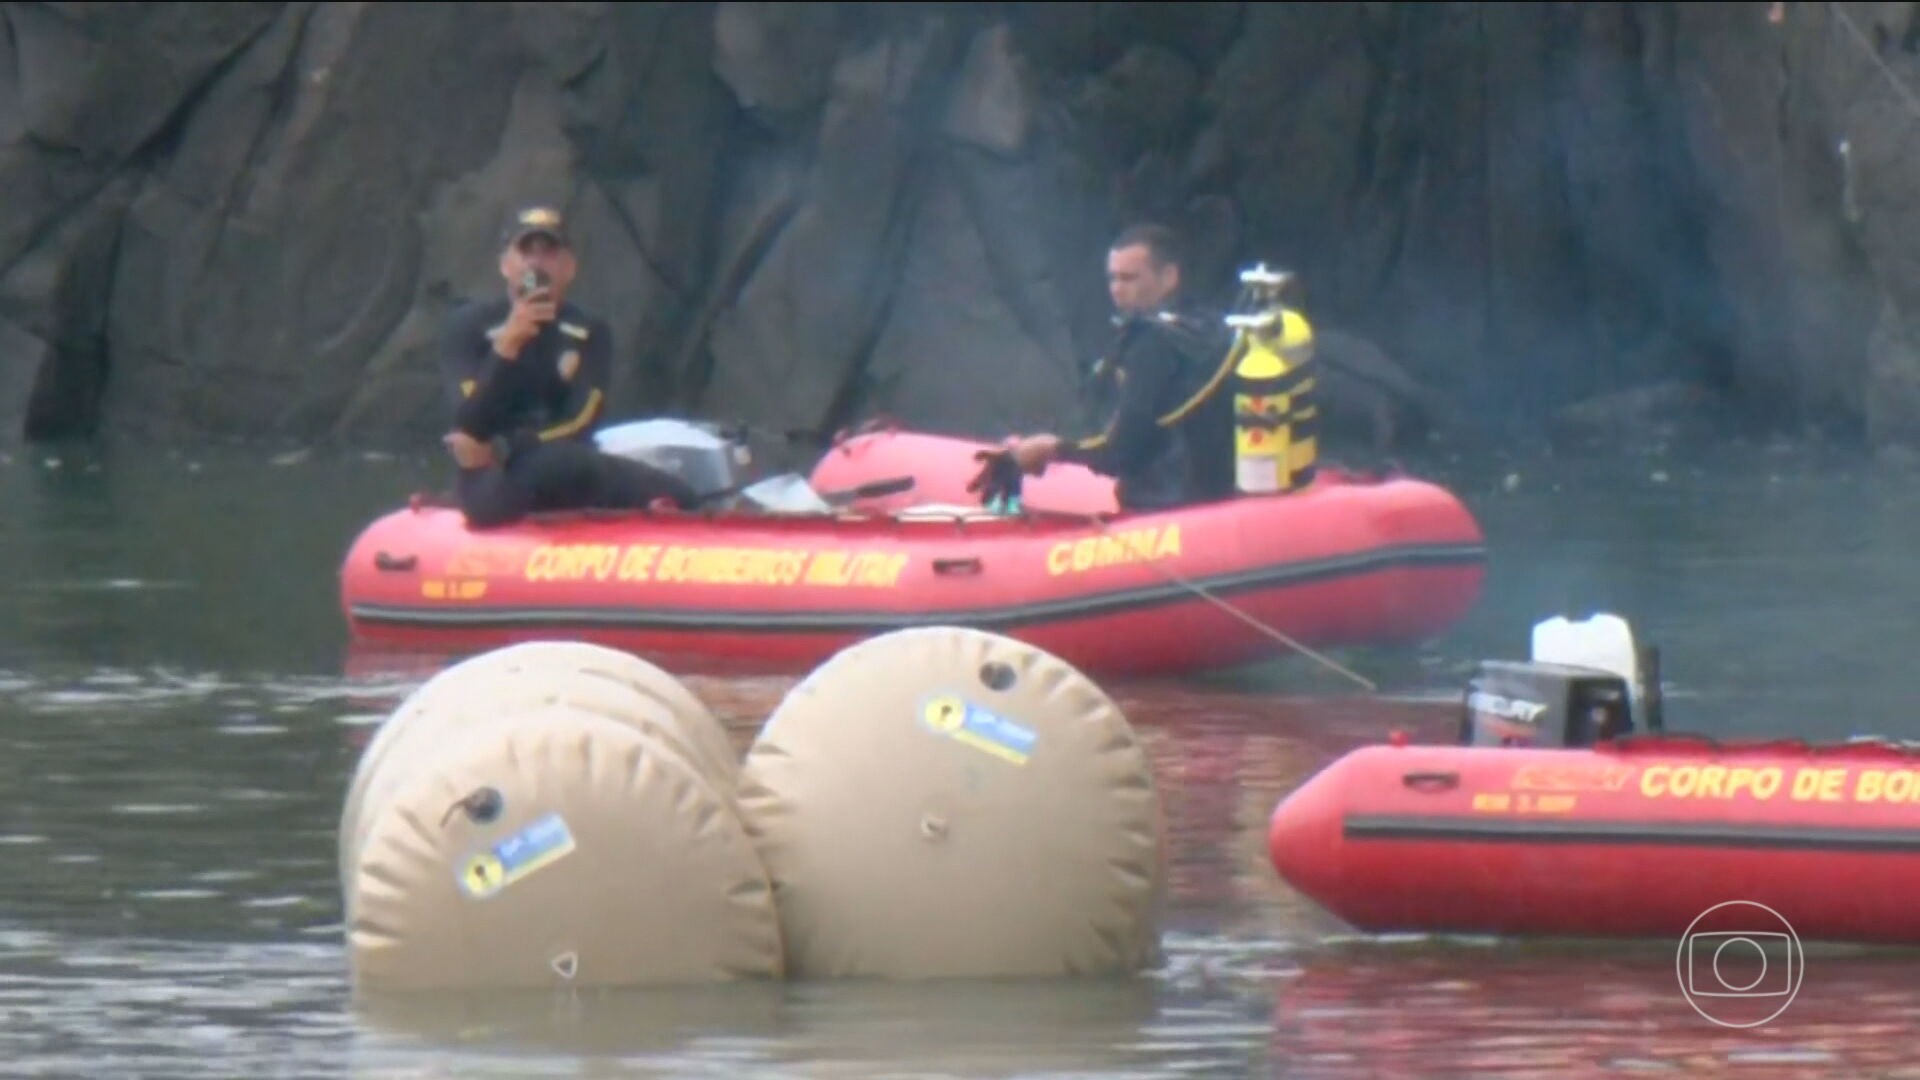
x=247, y=220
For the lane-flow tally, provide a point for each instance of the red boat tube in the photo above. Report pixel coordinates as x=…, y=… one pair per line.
x=942, y=467
x=1340, y=563
x=1633, y=838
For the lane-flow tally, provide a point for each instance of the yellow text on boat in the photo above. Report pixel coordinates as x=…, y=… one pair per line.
x=717, y=565
x=1147, y=543
x=1807, y=783
x=1712, y=781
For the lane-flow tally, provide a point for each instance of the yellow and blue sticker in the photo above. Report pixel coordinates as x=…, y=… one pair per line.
x=539, y=845
x=978, y=727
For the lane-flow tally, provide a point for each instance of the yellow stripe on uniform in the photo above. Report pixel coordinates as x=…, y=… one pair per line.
x=573, y=426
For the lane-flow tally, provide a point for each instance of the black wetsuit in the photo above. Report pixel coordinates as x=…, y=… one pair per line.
x=1158, y=459
x=539, y=412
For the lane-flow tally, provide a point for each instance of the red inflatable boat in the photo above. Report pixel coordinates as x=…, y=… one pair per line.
x=1345, y=562
x=1636, y=838
x=1638, y=835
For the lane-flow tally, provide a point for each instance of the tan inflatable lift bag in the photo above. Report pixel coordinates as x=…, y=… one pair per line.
x=516, y=679
x=557, y=847
x=948, y=802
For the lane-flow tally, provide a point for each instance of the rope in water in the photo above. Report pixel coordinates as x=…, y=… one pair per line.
x=1229, y=608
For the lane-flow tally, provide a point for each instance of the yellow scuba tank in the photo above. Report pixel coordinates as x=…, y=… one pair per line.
x=1273, y=412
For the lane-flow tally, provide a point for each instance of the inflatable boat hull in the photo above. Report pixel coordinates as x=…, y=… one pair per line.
x=1636, y=839
x=1343, y=564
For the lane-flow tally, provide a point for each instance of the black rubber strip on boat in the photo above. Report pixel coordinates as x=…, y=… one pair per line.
x=790, y=621
x=1662, y=833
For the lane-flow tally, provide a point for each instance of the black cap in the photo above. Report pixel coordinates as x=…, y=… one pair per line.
x=535, y=220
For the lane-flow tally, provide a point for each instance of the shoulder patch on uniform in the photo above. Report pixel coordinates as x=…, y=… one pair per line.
x=572, y=331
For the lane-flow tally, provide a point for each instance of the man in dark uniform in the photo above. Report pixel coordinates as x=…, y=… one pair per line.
x=527, y=375
x=1170, y=440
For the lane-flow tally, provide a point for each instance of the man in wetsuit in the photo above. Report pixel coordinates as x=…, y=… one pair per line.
x=1170, y=440
x=528, y=375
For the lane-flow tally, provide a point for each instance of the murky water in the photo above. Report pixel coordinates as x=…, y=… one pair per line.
x=176, y=734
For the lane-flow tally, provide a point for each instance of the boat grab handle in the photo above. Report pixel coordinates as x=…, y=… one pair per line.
x=384, y=561
x=968, y=565
x=1431, y=781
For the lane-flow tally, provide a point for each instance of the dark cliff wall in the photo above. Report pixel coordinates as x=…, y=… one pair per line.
x=247, y=219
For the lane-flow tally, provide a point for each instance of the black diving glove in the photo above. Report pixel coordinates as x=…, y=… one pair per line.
x=999, y=480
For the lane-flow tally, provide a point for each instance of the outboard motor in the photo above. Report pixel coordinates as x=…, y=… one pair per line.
x=699, y=453
x=1583, y=685
x=1529, y=703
